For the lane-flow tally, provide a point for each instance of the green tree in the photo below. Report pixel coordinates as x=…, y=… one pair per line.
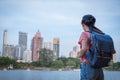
x=5, y=62
x=63, y=59
x=76, y=60
x=46, y=58
x=71, y=63
x=57, y=64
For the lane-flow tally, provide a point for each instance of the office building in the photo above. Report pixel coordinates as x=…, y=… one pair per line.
x=22, y=43
x=18, y=53
x=56, y=48
x=5, y=33
x=36, y=45
x=47, y=45
x=27, y=56
x=9, y=51
x=74, y=52
x=114, y=58
x=0, y=54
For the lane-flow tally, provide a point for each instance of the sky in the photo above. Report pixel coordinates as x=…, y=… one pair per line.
x=58, y=18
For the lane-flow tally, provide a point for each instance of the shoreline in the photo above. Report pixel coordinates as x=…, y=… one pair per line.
x=51, y=69
x=43, y=69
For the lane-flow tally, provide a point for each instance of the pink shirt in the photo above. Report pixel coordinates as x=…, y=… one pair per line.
x=84, y=36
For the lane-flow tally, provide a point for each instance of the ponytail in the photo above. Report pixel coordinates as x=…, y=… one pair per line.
x=95, y=29
x=90, y=20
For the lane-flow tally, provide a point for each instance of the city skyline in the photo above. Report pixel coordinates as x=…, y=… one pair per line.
x=59, y=18
x=20, y=52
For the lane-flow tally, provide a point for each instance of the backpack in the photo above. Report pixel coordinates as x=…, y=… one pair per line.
x=101, y=49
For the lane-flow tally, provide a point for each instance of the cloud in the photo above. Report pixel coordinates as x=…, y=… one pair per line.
x=38, y=12
x=59, y=18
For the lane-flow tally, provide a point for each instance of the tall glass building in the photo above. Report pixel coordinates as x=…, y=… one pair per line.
x=4, y=41
x=36, y=45
x=55, y=48
x=22, y=42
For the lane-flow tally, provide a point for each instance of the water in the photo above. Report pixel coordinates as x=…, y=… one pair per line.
x=50, y=75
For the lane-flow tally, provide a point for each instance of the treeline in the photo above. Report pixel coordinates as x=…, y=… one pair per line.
x=5, y=62
x=47, y=60
x=114, y=66
x=62, y=62
x=59, y=63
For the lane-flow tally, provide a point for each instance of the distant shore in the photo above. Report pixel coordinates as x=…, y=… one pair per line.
x=52, y=69
x=43, y=68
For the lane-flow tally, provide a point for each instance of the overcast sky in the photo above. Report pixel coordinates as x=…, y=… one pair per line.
x=58, y=18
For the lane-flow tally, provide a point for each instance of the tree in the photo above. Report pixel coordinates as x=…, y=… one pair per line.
x=63, y=59
x=46, y=58
x=5, y=62
x=57, y=64
x=76, y=60
x=70, y=63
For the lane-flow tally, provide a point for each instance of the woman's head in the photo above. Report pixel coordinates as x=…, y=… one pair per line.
x=88, y=20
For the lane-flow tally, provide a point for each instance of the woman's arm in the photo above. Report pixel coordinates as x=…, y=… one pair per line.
x=84, y=48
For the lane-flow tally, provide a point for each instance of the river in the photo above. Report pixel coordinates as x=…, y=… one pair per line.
x=50, y=75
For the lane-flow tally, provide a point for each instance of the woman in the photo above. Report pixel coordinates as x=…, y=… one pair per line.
x=87, y=72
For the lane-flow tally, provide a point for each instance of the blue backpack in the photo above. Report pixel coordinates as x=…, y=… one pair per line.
x=101, y=50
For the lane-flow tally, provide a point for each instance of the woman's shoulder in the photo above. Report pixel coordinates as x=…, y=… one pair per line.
x=84, y=36
x=86, y=33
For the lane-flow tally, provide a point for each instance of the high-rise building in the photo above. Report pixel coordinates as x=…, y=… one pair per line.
x=9, y=51
x=36, y=45
x=22, y=42
x=76, y=48
x=23, y=39
x=4, y=42
x=0, y=54
x=17, y=52
x=55, y=48
x=74, y=52
x=27, y=57
x=47, y=45
x=114, y=58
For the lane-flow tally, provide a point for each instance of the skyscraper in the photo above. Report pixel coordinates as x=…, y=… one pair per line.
x=23, y=39
x=55, y=48
x=74, y=52
x=4, y=42
x=9, y=51
x=114, y=58
x=17, y=52
x=47, y=45
x=0, y=54
x=36, y=45
x=22, y=42
x=27, y=57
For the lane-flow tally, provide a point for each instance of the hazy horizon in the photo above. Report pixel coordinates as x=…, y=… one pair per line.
x=58, y=18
